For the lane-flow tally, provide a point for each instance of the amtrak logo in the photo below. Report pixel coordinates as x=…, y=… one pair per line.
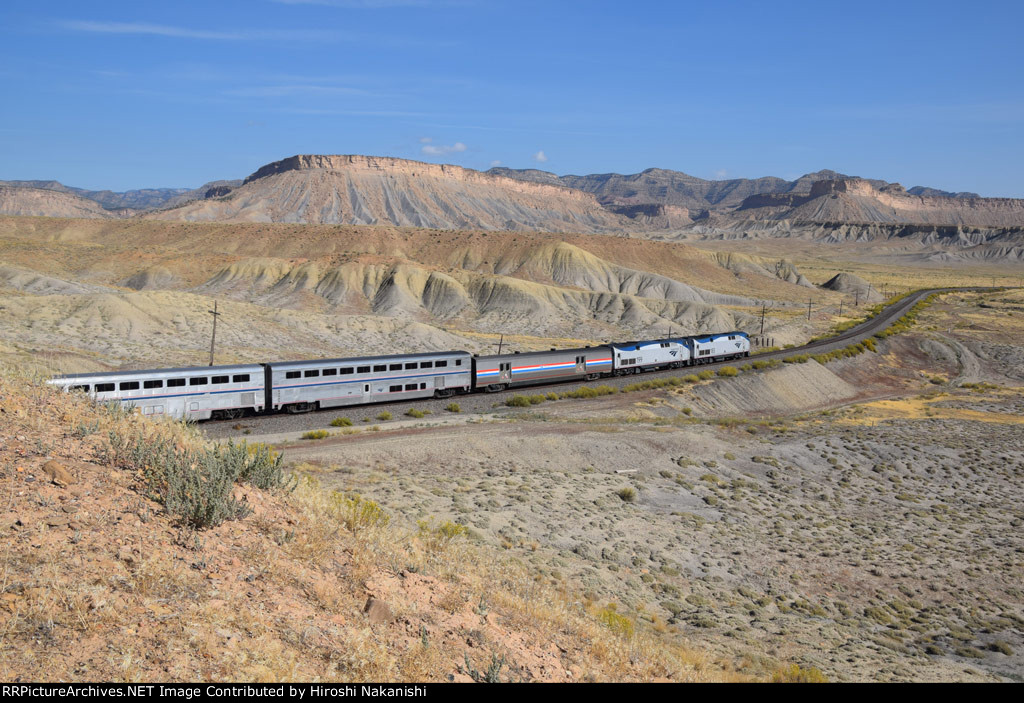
x=673, y=352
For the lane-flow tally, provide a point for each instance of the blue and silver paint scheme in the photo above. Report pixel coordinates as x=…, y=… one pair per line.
x=716, y=347
x=633, y=357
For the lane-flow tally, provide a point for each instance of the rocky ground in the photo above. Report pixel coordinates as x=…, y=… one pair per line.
x=866, y=524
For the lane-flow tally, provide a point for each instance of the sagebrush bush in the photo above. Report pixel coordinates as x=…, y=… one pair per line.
x=384, y=416
x=728, y=371
x=627, y=494
x=341, y=422
x=413, y=412
x=453, y=408
x=316, y=434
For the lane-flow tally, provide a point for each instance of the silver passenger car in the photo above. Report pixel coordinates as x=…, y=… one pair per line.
x=300, y=386
x=191, y=393
x=497, y=372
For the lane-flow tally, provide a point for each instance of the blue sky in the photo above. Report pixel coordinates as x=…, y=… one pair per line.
x=126, y=95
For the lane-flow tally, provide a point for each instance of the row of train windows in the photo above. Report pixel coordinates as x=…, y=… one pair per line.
x=704, y=352
x=378, y=368
x=408, y=387
x=159, y=383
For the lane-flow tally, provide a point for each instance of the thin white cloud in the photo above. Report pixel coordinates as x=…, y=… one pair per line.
x=540, y=156
x=496, y=162
x=426, y=140
x=164, y=30
x=443, y=149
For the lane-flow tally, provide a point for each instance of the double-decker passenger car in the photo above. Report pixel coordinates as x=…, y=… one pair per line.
x=300, y=386
x=634, y=357
x=192, y=393
x=500, y=371
x=718, y=347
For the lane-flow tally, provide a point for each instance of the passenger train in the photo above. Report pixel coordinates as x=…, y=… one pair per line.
x=227, y=392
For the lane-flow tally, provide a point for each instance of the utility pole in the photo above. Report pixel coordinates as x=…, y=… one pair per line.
x=840, y=307
x=213, y=338
x=501, y=341
x=856, y=297
x=808, y=308
x=762, y=319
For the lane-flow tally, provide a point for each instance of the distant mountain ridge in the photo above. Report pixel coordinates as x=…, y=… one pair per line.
x=140, y=199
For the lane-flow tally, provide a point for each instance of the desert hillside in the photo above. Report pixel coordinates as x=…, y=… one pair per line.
x=88, y=294
x=114, y=570
x=368, y=190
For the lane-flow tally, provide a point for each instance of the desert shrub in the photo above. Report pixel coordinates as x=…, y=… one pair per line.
x=357, y=513
x=518, y=401
x=192, y=482
x=728, y=371
x=453, y=408
x=264, y=468
x=341, y=422
x=413, y=412
x=438, y=537
x=794, y=674
x=691, y=378
x=590, y=392
x=551, y=396
x=316, y=434
x=706, y=375
x=627, y=494
x=536, y=399
x=797, y=359
x=384, y=416
x=615, y=621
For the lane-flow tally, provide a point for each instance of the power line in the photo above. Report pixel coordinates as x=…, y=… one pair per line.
x=213, y=337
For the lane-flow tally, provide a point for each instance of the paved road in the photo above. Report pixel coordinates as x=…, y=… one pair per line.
x=363, y=415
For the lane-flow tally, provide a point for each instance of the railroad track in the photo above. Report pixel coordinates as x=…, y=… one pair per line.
x=483, y=402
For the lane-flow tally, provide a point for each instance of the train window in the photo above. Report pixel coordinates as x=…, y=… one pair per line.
x=458, y=362
x=152, y=384
x=175, y=382
x=581, y=359
x=311, y=373
x=410, y=366
x=410, y=386
x=427, y=365
x=104, y=387
x=293, y=374
x=441, y=364
x=219, y=379
x=330, y=372
x=395, y=389
x=732, y=336
x=83, y=389
x=378, y=368
x=129, y=385
x=423, y=386
x=240, y=378
x=347, y=370
x=363, y=369
x=396, y=367
x=197, y=381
